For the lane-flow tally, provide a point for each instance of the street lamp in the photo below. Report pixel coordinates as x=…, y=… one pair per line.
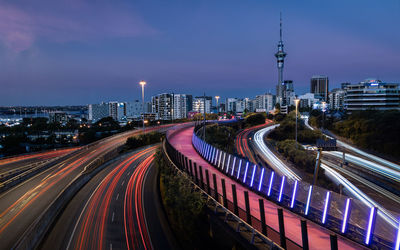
x=217, y=98
x=296, y=102
x=323, y=116
x=142, y=83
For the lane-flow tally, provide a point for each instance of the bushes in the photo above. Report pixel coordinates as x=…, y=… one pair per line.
x=375, y=130
x=255, y=119
x=222, y=137
x=143, y=140
x=186, y=209
x=298, y=155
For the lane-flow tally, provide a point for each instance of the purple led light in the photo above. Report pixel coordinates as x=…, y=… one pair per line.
x=281, y=189
x=371, y=222
x=326, y=206
x=227, y=164
x=252, y=175
x=294, y=194
x=240, y=166
x=261, y=179
x=245, y=172
x=271, y=180
x=308, y=199
x=233, y=166
x=346, y=215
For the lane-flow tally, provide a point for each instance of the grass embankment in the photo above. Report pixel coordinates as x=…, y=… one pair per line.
x=142, y=140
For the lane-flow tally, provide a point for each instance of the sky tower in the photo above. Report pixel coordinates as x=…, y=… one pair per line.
x=280, y=57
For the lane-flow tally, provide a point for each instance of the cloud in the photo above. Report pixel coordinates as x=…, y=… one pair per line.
x=63, y=21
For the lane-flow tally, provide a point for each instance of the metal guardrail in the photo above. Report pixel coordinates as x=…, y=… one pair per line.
x=248, y=232
x=345, y=216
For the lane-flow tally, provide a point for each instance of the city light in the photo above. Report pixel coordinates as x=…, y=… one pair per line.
x=308, y=199
x=326, y=207
x=261, y=179
x=240, y=166
x=253, y=174
x=245, y=172
x=294, y=194
x=223, y=162
x=271, y=180
x=346, y=215
x=281, y=189
x=370, y=227
x=219, y=160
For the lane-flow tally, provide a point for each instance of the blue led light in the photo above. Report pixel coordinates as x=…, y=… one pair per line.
x=261, y=179
x=252, y=175
x=233, y=166
x=308, y=199
x=271, y=180
x=219, y=160
x=397, y=246
x=370, y=225
x=326, y=206
x=223, y=162
x=216, y=157
x=294, y=194
x=240, y=166
x=346, y=215
x=212, y=155
x=281, y=190
x=227, y=164
x=245, y=172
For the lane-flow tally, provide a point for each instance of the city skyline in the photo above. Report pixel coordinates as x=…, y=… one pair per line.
x=81, y=53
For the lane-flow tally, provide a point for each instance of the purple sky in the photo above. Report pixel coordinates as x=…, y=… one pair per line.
x=79, y=52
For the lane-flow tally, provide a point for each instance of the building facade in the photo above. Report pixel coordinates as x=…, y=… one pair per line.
x=319, y=86
x=372, y=94
x=98, y=111
x=336, y=99
x=265, y=102
x=162, y=106
x=180, y=107
x=200, y=102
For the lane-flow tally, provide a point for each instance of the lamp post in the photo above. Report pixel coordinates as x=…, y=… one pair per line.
x=142, y=83
x=296, y=102
x=217, y=98
x=323, y=116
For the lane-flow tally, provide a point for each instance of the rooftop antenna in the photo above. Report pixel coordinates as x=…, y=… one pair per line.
x=280, y=30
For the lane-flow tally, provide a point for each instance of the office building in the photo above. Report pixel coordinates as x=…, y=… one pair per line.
x=198, y=104
x=336, y=99
x=230, y=105
x=162, y=106
x=134, y=109
x=307, y=100
x=265, y=103
x=58, y=117
x=372, y=94
x=320, y=86
x=98, y=111
x=179, y=106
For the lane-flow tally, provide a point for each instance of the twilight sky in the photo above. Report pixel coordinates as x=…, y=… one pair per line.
x=79, y=52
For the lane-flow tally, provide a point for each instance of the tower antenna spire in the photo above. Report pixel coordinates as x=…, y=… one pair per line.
x=280, y=30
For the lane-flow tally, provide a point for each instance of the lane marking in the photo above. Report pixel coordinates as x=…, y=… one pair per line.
x=112, y=218
x=122, y=183
x=117, y=197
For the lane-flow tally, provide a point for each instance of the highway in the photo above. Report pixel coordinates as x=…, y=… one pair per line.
x=270, y=157
x=318, y=236
x=115, y=210
x=384, y=171
x=21, y=205
x=351, y=189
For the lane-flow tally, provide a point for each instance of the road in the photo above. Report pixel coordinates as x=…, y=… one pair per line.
x=115, y=210
x=318, y=236
x=21, y=205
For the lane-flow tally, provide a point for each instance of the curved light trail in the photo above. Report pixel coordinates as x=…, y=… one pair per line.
x=274, y=160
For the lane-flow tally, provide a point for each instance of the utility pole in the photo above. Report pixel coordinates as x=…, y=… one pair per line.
x=317, y=165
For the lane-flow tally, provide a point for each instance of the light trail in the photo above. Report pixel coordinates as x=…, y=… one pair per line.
x=382, y=170
x=276, y=163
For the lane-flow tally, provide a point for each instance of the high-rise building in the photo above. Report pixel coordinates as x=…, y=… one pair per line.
x=372, y=94
x=162, y=106
x=265, y=103
x=336, y=99
x=320, y=86
x=280, y=57
x=134, y=109
x=240, y=106
x=344, y=85
x=287, y=93
x=198, y=104
x=98, y=111
x=180, y=106
x=230, y=105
